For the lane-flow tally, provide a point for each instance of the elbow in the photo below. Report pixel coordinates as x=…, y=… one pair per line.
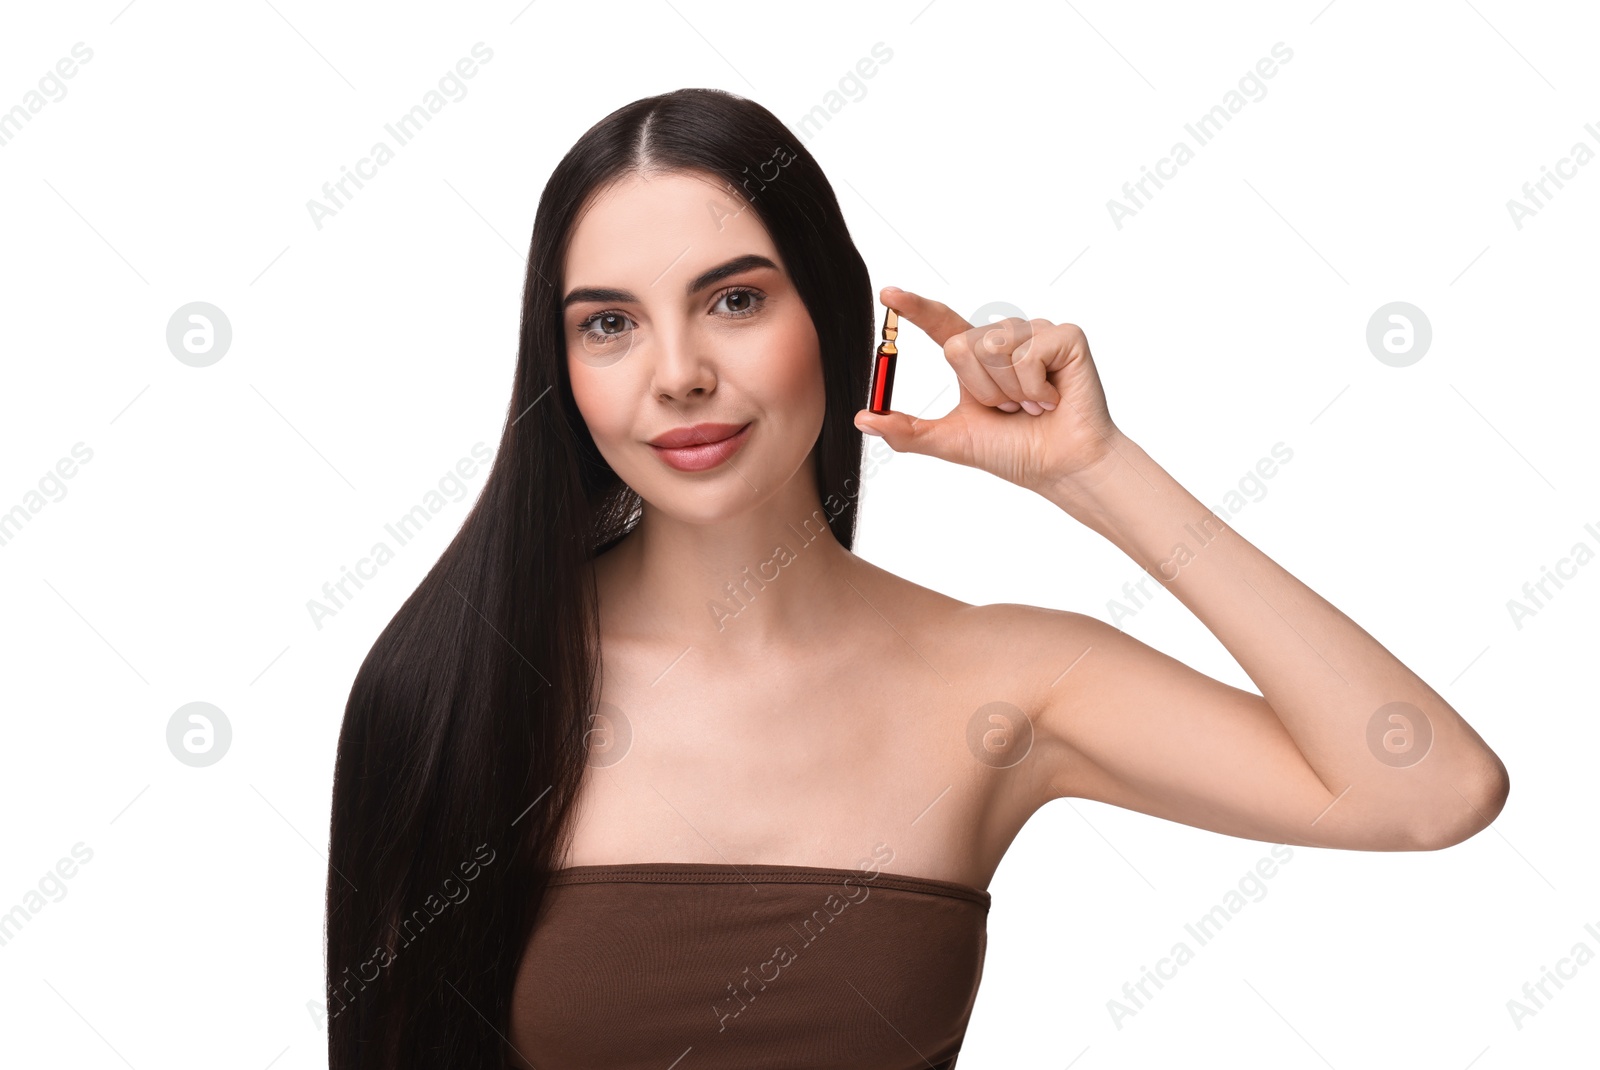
x=1468, y=810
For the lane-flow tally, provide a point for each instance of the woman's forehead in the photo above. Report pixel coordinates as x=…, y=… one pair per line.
x=643, y=229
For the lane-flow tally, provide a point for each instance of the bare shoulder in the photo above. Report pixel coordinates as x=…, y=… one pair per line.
x=1002, y=667
x=898, y=598
x=1032, y=643
x=1020, y=650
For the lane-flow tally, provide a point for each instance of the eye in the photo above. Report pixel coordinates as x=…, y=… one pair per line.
x=742, y=301
x=602, y=327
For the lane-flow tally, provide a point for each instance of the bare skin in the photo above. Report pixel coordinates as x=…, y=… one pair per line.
x=812, y=753
x=843, y=707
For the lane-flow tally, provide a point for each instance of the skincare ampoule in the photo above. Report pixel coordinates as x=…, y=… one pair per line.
x=883, y=365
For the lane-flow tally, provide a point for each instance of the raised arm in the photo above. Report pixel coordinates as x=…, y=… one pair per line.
x=1344, y=746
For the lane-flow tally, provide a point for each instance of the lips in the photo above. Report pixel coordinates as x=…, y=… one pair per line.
x=697, y=435
x=703, y=446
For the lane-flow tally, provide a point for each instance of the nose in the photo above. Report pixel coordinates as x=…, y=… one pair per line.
x=682, y=367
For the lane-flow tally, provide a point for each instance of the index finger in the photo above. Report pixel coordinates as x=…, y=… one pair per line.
x=935, y=319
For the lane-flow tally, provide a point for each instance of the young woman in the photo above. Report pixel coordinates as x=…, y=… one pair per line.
x=761, y=837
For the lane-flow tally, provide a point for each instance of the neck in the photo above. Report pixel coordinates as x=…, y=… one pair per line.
x=771, y=577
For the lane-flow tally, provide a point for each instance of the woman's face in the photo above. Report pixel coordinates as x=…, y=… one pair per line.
x=679, y=317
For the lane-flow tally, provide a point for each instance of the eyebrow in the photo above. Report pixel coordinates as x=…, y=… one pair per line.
x=706, y=278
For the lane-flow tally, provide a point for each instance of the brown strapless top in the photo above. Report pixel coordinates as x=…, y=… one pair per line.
x=700, y=966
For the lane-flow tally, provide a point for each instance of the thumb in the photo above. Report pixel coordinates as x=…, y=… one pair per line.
x=904, y=434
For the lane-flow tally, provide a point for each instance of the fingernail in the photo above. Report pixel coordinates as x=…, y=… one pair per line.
x=1049, y=406
x=1032, y=408
x=868, y=431
x=1008, y=406
x=893, y=289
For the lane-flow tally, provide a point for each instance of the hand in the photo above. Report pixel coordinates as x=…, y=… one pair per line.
x=1006, y=371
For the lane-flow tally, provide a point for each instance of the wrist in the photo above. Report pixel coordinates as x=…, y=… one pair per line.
x=1090, y=493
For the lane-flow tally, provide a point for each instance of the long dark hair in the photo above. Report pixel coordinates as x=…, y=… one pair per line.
x=464, y=736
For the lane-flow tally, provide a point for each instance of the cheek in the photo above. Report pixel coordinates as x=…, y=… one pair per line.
x=799, y=375
x=601, y=394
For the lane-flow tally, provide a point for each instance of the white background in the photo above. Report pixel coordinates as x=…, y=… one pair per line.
x=369, y=356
